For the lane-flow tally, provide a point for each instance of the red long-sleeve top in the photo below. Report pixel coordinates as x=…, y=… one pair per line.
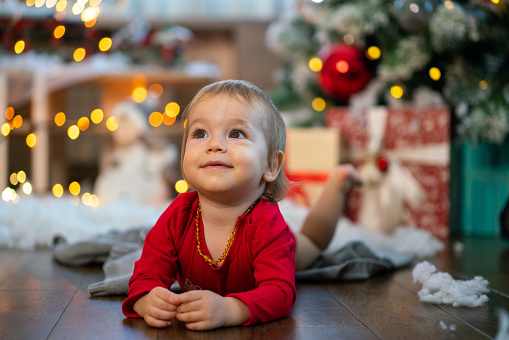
x=259, y=269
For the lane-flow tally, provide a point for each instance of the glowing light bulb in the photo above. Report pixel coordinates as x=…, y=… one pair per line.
x=30, y=3
x=74, y=188
x=59, y=31
x=172, y=109
x=73, y=132
x=139, y=94
x=58, y=190
x=61, y=5
x=181, y=186
x=79, y=54
x=83, y=123
x=155, y=119
x=59, y=119
x=112, y=123
x=50, y=3
x=318, y=104
x=373, y=53
x=78, y=8
x=105, y=44
x=434, y=73
x=19, y=47
x=6, y=129
x=97, y=116
x=31, y=140
x=9, y=113
x=8, y=194
x=39, y=3
x=17, y=121
x=22, y=176
x=13, y=178
x=397, y=91
x=315, y=64
x=167, y=120
x=27, y=188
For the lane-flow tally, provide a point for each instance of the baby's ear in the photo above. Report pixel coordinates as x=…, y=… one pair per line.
x=274, y=166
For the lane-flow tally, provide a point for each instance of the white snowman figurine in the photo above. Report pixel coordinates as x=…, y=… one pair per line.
x=133, y=170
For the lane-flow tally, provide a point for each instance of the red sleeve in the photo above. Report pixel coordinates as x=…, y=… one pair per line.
x=157, y=265
x=273, y=250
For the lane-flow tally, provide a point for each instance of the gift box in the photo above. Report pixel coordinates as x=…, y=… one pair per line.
x=311, y=154
x=418, y=140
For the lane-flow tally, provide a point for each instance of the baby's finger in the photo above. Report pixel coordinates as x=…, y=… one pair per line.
x=156, y=322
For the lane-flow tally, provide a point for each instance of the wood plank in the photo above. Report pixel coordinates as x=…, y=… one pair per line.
x=39, y=271
x=10, y=261
x=31, y=314
x=393, y=312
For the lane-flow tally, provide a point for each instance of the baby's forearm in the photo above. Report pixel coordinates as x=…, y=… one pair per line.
x=238, y=312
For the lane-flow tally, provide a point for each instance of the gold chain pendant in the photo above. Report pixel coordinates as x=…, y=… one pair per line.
x=228, y=245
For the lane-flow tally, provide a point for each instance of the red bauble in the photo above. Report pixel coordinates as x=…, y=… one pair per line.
x=344, y=71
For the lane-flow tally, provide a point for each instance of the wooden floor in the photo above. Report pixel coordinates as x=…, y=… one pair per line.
x=43, y=300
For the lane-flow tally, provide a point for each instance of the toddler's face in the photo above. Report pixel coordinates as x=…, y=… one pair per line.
x=226, y=150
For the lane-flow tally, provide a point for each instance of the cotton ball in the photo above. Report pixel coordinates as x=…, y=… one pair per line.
x=423, y=271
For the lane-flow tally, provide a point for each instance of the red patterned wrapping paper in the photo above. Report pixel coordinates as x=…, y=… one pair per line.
x=413, y=131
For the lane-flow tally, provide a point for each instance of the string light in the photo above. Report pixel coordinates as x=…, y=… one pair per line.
x=9, y=113
x=73, y=132
x=31, y=140
x=373, y=53
x=6, y=129
x=50, y=3
x=342, y=66
x=97, y=116
x=167, y=120
x=59, y=119
x=61, y=5
x=155, y=90
x=315, y=64
x=58, y=190
x=22, y=176
x=74, y=188
x=172, y=109
x=13, y=178
x=27, y=188
x=434, y=73
x=19, y=47
x=17, y=121
x=105, y=44
x=79, y=54
x=112, y=123
x=318, y=104
x=139, y=94
x=59, y=31
x=397, y=91
x=83, y=123
x=181, y=186
x=155, y=119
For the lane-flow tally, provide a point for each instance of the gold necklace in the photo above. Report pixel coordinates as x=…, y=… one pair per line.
x=228, y=245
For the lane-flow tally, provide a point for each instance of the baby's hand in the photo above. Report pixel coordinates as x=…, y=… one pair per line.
x=157, y=307
x=203, y=309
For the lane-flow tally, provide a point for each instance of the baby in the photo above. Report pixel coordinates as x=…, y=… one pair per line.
x=226, y=241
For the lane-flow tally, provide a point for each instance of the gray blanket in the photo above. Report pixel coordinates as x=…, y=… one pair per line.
x=118, y=251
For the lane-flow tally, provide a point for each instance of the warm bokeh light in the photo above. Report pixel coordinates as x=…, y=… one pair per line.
x=58, y=190
x=172, y=109
x=89, y=14
x=94, y=3
x=105, y=44
x=39, y=3
x=397, y=91
x=181, y=186
x=90, y=23
x=342, y=66
x=8, y=194
x=17, y=121
x=13, y=178
x=112, y=123
x=434, y=73
x=31, y=140
x=155, y=90
x=318, y=104
x=155, y=119
x=315, y=64
x=449, y=4
x=73, y=132
x=97, y=116
x=59, y=31
x=77, y=8
x=59, y=119
x=51, y=3
x=61, y=5
x=185, y=123
x=9, y=113
x=27, y=188
x=74, y=188
x=79, y=54
x=6, y=129
x=373, y=53
x=483, y=84
x=22, y=176
x=495, y=1
x=83, y=123
x=90, y=200
x=30, y=3
x=167, y=120
x=19, y=47
x=139, y=94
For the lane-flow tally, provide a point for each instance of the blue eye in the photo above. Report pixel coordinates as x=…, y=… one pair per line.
x=237, y=134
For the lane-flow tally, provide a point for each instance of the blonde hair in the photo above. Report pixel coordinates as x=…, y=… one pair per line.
x=274, y=127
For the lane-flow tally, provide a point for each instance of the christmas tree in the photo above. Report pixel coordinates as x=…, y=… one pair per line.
x=399, y=52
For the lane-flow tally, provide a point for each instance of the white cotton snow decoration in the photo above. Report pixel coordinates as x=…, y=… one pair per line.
x=442, y=288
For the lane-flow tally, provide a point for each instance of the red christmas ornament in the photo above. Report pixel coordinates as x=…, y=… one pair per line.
x=343, y=72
